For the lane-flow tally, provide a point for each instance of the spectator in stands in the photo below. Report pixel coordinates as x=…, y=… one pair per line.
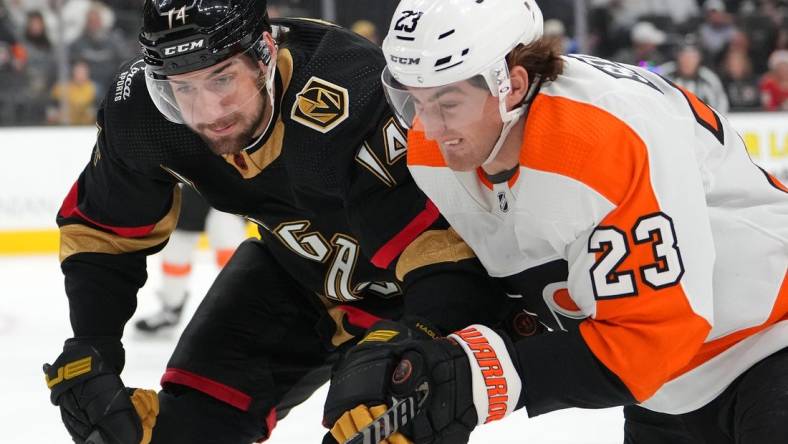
x=68, y=13
x=15, y=11
x=644, y=49
x=774, y=84
x=782, y=38
x=628, y=12
x=101, y=47
x=687, y=71
x=761, y=32
x=75, y=100
x=741, y=86
x=602, y=38
x=366, y=29
x=561, y=10
x=13, y=63
x=127, y=16
x=716, y=31
x=555, y=30
x=41, y=68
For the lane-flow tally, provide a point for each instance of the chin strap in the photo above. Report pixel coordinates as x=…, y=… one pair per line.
x=257, y=140
x=512, y=117
x=268, y=55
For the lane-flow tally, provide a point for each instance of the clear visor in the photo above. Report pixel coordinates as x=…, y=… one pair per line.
x=213, y=95
x=448, y=109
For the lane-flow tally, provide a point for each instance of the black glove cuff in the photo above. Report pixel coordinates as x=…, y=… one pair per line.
x=110, y=349
x=82, y=359
x=421, y=327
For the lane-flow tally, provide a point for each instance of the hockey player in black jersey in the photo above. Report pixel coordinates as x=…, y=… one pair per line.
x=285, y=123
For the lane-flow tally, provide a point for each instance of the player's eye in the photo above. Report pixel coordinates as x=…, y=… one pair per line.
x=223, y=81
x=184, y=89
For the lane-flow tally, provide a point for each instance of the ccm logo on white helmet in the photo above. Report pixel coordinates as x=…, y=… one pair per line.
x=184, y=48
x=405, y=60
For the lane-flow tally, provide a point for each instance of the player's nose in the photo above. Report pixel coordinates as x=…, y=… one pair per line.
x=209, y=107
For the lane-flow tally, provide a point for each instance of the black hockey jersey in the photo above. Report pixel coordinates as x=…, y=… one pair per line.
x=327, y=184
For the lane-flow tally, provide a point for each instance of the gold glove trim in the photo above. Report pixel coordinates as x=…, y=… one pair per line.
x=379, y=336
x=146, y=403
x=70, y=371
x=359, y=417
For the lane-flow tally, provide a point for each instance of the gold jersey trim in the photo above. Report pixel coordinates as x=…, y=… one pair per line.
x=77, y=238
x=432, y=247
x=340, y=335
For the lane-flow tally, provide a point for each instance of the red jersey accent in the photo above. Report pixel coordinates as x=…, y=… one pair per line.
x=70, y=208
x=214, y=389
x=397, y=244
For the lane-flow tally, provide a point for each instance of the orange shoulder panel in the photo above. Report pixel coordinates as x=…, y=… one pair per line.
x=585, y=143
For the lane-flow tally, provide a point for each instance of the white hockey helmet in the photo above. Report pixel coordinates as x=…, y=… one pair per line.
x=436, y=43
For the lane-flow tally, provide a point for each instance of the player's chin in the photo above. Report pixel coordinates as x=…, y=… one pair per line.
x=460, y=161
x=223, y=146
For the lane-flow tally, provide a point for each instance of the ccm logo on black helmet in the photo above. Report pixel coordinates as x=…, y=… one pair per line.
x=405, y=60
x=184, y=48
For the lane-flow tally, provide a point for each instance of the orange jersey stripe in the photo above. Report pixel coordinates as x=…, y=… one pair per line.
x=645, y=338
x=483, y=178
x=701, y=110
x=777, y=184
x=223, y=256
x=176, y=269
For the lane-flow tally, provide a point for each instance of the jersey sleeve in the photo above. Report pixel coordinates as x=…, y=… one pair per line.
x=114, y=215
x=641, y=271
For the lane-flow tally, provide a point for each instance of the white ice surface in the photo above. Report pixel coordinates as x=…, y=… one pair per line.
x=34, y=322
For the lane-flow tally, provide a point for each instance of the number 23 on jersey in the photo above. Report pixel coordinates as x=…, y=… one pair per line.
x=648, y=253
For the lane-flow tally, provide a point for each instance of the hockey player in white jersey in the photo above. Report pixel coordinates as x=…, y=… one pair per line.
x=621, y=205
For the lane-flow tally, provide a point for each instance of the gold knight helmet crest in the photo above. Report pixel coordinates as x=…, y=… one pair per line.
x=321, y=105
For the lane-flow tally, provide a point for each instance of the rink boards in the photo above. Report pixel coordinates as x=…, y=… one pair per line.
x=41, y=163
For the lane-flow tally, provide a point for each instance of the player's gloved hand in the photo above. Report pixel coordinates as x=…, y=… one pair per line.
x=95, y=406
x=470, y=379
x=359, y=384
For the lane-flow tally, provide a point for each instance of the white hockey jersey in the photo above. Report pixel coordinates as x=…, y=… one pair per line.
x=676, y=243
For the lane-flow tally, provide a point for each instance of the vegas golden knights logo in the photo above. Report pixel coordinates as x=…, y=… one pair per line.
x=320, y=105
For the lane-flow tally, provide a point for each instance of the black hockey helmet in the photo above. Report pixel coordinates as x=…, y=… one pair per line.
x=184, y=37
x=179, y=36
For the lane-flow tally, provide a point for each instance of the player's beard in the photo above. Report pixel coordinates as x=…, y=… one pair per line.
x=249, y=126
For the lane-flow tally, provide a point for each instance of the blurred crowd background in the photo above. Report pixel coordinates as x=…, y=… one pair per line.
x=57, y=57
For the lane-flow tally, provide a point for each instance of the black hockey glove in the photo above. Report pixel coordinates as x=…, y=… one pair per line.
x=359, y=384
x=470, y=380
x=95, y=406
